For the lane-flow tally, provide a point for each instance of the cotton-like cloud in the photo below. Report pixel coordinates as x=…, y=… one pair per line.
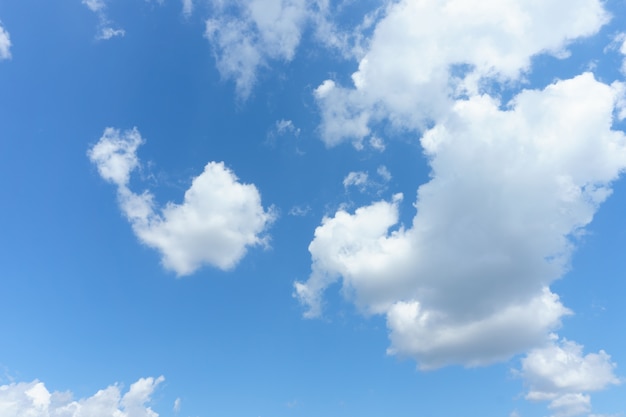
x=511, y=186
x=34, y=400
x=217, y=221
x=257, y=31
x=423, y=54
x=559, y=373
x=5, y=43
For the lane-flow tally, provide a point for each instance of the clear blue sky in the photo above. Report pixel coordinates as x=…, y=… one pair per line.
x=312, y=208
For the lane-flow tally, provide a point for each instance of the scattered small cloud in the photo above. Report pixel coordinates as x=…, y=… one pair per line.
x=377, y=143
x=559, y=373
x=34, y=400
x=105, y=26
x=299, y=211
x=5, y=43
x=358, y=179
x=176, y=407
x=362, y=181
x=187, y=7
x=217, y=221
x=284, y=127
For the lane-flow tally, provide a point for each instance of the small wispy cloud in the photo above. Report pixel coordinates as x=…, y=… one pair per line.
x=105, y=26
x=5, y=43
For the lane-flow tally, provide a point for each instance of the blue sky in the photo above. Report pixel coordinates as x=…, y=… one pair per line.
x=312, y=208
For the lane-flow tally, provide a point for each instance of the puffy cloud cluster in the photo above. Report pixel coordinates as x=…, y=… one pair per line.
x=468, y=281
x=217, y=221
x=34, y=400
x=559, y=373
x=5, y=43
x=105, y=27
x=423, y=54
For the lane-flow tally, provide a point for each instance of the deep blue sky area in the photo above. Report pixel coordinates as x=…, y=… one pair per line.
x=300, y=208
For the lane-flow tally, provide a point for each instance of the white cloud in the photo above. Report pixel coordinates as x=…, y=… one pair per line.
x=177, y=403
x=558, y=372
x=620, y=42
x=300, y=211
x=217, y=221
x=108, y=33
x=187, y=7
x=384, y=173
x=377, y=143
x=34, y=400
x=468, y=281
x=105, y=30
x=423, y=54
x=5, y=43
x=357, y=179
x=286, y=126
x=95, y=5
x=261, y=30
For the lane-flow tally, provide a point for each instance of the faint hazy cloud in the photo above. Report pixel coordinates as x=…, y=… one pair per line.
x=364, y=182
x=187, y=7
x=5, y=43
x=468, y=280
x=217, y=221
x=286, y=126
x=34, y=400
x=559, y=373
x=299, y=211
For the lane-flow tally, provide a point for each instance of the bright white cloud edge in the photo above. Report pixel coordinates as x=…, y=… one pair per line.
x=32, y=399
x=559, y=373
x=5, y=43
x=218, y=220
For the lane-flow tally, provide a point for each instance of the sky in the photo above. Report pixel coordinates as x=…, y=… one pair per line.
x=276, y=208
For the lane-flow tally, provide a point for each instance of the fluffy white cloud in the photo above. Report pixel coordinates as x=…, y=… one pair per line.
x=425, y=53
x=5, y=43
x=217, y=221
x=259, y=30
x=558, y=372
x=468, y=281
x=34, y=400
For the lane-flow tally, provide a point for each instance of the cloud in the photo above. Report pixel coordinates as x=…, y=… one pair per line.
x=559, y=373
x=284, y=127
x=34, y=400
x=257, y=31
x=363, y=182
x=105, y=30
x=423, y=55
x=217, y=221
x=356, y=179
x=511, y=187
x=5, y=43
x=187, y=7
